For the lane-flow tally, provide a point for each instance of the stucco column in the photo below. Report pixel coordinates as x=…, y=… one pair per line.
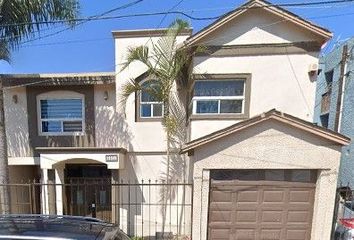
x=200, y=204
x=59, y=180
x=324, y=204
x=44, y=193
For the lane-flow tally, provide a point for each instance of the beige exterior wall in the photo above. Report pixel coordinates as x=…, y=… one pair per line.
x=16, y=121
x=257, y=27
x=269, y=145
x=20, y=194
x=138, y=136
x=278, y=81
x=107, y=122
x=142, y=167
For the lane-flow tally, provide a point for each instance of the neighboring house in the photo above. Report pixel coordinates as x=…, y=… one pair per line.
x=257, y=173
x=335, y=80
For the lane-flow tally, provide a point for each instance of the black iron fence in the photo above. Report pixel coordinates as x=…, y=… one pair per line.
x=154, y=209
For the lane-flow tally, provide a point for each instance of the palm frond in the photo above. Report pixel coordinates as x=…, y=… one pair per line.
x=24, y=19
x=177, y=26
x=129, y=87
x=4, y=51
x=139, y=54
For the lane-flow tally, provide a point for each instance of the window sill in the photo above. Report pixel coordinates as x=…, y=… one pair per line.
x=218, y=116
x=61, y=134
x=157, y=119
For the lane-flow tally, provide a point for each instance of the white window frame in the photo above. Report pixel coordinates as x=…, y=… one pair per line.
x=60, y=95
x=151, y=107
x=195, y=99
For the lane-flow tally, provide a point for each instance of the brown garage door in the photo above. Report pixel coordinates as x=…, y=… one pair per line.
x=261, y=204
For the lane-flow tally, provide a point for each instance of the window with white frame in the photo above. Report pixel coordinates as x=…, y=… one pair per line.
x=150, y=107
x=219, y=97
x=61, y=116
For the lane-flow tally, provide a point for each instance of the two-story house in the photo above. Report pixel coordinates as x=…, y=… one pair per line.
x=257, y=172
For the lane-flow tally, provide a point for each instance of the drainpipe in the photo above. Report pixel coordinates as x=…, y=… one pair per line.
x=341, y=88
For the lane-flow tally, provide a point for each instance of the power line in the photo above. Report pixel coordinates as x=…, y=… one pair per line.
x=172, y=8
x=82, y=22
x=67, y=42
x=298, y=82
x=101, y=16
x=100, y=39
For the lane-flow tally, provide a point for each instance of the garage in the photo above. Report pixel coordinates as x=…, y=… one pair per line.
x=273, y=176
x=261, y=204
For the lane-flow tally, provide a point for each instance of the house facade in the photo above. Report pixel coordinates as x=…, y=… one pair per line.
x=257, y=172
x=334, y=96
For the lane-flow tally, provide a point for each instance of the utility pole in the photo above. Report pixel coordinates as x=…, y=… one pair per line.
x=343, y=65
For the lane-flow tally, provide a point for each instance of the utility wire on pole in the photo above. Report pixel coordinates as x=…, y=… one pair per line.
x=341, y=79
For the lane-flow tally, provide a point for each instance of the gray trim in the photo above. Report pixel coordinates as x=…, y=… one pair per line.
x=153, y=152
x=79, y=149
x=246, y=76
x=147, y=33
x=261, y=49
x=143, y=77
x=86, y=140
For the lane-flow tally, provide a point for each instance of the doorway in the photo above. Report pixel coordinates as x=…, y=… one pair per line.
x=88, y=190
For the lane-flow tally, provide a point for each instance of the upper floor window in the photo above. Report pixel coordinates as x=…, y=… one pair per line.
x=329, y=80
x=61, y=116
x=150, y=107
x=220, y=96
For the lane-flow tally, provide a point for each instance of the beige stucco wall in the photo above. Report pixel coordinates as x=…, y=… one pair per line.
x=258, y=26
x=107, y=122
x=20, y=194
x=278, y=81
x=151, y=168
x=269, y=145
x=16, y=121
x=138, y=136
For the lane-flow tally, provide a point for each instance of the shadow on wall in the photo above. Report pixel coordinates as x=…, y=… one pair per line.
x=111, y=128
x=16, y=123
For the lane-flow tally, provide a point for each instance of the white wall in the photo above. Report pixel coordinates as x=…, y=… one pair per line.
x=16, y=122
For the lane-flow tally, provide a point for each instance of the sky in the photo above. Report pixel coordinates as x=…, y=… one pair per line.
x=90, y=46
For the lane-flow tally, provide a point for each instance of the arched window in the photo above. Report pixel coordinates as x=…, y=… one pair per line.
x=150, y=106
x=61, y=113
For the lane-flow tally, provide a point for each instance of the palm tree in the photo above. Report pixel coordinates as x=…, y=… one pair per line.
x=168, y=63
x=21, y=20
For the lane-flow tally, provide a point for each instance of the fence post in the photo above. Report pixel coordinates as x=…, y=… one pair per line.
x=115, y=196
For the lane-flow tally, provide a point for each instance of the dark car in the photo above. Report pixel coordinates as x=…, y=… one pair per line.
x=48, y=227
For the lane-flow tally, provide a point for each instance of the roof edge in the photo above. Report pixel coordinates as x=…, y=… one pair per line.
x=57, y=75
x=157, y=32
x=280, y=11
x=272, y=114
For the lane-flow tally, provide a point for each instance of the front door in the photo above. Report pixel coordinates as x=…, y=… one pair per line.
x=88, y=191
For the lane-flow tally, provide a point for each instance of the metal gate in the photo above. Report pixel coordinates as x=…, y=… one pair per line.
x=89, y=197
